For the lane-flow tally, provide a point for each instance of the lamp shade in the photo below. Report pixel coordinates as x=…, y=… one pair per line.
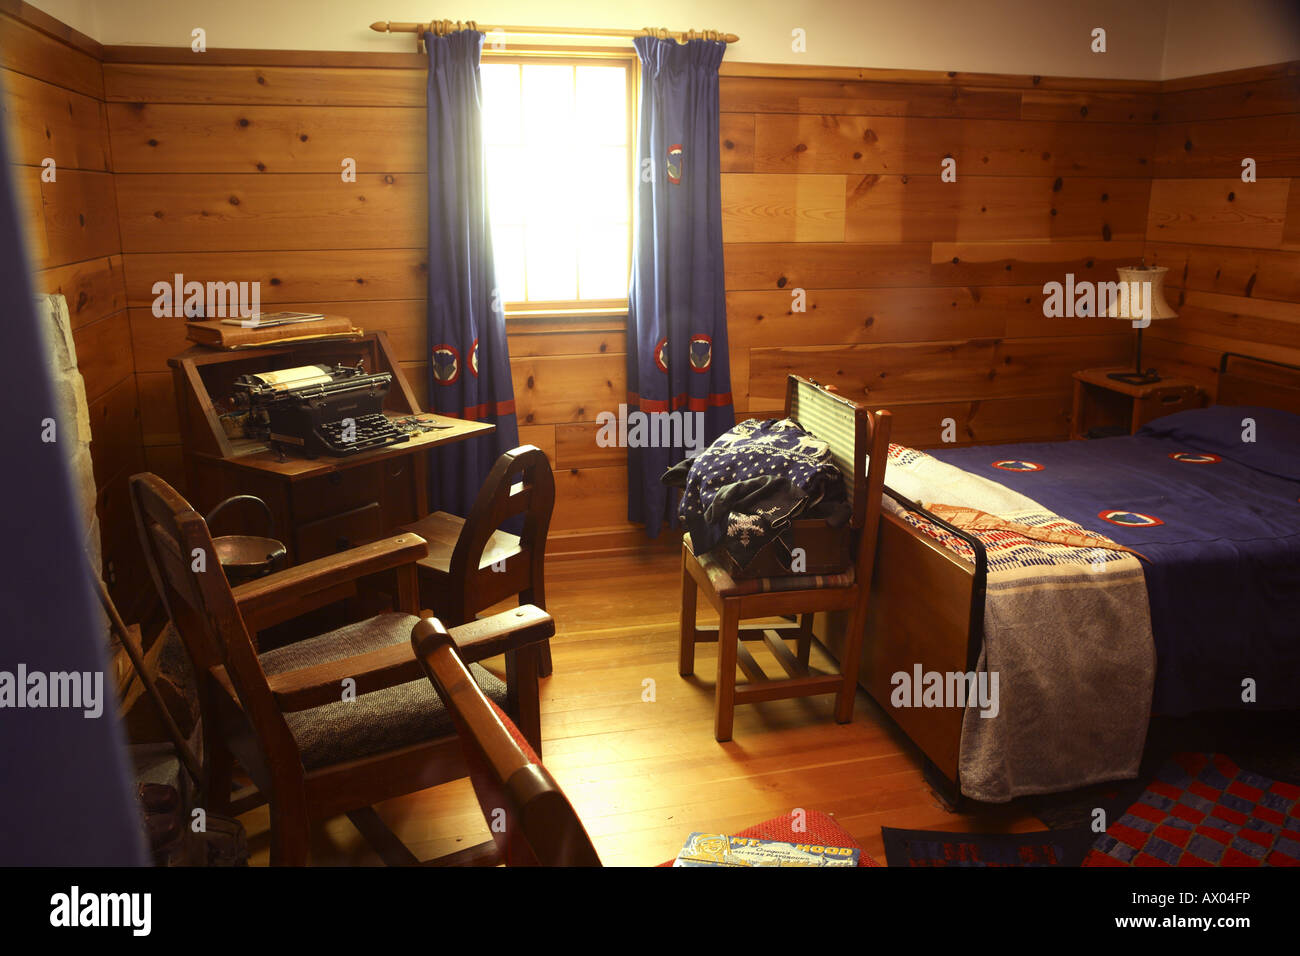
x=1151, y=281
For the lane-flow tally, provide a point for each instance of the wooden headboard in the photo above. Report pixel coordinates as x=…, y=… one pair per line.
x=1245, y=380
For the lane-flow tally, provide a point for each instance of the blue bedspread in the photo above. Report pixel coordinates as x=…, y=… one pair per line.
x=1219, y=519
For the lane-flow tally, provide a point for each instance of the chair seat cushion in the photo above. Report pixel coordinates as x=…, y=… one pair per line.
x=724, y=584
x=442, y=530
x=373, y=723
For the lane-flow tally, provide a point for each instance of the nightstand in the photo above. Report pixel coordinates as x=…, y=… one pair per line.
x=1104, y=407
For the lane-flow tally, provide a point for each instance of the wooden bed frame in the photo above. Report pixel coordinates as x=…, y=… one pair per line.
x=927, y=603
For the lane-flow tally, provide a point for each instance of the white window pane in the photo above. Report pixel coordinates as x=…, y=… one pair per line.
x=601, y=105
x=557, y=158
x=552, y=261
x=501, y=106
x=507, y=183
x=602, y=193
x=508, y=257
x=548, y=106
x=603, y=262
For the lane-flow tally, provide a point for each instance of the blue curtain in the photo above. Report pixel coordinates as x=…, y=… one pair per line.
x=677, y=317
x=469, y=367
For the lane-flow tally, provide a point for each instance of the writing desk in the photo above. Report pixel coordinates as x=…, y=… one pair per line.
x=319, y=505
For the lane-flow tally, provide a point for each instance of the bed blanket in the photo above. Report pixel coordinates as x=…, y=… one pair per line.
x=1067, y=631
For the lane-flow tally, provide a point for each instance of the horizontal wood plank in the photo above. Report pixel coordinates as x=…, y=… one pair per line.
x=774, y=208
x=265, y=85
x=104, y=353
x=238, y=213
x=736, y=142
x=27, y=50
x=1259, y=273
x=1223, y=212
x=902, y=208
x=94, y=288
x=1216, y=148
x=870, y=98
x=80, y=216
x=169, y=138
x=939, y=371
x=45, y=121
x=557, y=389
x=916, y=146
x=327, y=275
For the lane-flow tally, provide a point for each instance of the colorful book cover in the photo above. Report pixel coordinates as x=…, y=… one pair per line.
x=718, y=849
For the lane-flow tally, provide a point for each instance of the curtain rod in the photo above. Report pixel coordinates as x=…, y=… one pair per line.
x=443, y=27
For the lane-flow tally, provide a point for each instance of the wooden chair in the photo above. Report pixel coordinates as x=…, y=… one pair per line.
x=532, y=821
x=852, y=432
x=311, y=753
x=472, y=564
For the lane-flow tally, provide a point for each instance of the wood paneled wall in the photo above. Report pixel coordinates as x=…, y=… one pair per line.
x=921, y=295
x=1232, y=247
x=53, y=107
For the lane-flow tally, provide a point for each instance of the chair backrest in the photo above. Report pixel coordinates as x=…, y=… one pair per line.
x=859, y=446
x=197, y=597
x=520, y=482
x=540, y=826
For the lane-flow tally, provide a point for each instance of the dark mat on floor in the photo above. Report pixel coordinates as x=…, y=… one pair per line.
x=933, y=848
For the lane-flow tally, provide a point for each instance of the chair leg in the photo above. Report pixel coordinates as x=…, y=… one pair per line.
x=724, y=703
x=803, y=648
x=290, y=840
x=845, y=697
x=523, y=702
x=536, y=595
x=690, y=593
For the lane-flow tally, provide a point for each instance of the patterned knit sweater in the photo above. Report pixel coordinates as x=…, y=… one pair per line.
x=743, y=491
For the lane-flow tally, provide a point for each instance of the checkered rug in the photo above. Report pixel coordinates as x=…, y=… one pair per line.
x=1204, y=810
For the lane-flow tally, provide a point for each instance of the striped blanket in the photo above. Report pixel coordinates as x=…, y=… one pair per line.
x=1067, y=630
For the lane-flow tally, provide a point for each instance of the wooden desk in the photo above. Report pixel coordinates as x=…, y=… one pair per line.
x=1101, y=402
x=320, y=505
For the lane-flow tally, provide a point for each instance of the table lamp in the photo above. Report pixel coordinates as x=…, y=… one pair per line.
x=1150, y=280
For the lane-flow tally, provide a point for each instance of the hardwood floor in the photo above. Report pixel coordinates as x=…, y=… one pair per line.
x=643, y=773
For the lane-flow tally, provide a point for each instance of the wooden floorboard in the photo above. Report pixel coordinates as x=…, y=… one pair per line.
x=643, y=775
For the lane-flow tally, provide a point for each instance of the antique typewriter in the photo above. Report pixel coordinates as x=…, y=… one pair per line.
x=318, y=409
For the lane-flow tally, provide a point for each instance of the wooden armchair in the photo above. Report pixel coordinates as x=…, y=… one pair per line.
x=541, y=828
x=852, y=433
x=314, y=745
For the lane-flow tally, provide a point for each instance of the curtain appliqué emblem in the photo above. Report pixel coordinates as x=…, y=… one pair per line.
x=701, y=352
x=661, y=355
x=446, y=365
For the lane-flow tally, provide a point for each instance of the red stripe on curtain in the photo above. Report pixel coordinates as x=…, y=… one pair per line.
x=680, y=401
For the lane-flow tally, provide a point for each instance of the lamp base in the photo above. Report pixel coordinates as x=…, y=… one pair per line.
x=1148, y=377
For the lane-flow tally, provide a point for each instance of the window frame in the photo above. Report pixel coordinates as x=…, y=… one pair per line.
x=580, y=56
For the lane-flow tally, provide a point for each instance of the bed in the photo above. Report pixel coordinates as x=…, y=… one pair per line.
x=1215, y=517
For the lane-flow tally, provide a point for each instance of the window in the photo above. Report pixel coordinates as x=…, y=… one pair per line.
x=557, y=133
